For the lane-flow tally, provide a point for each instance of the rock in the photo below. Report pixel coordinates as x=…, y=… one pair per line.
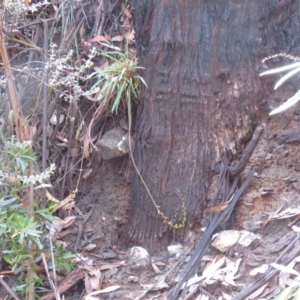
x=228, y=238
x=113, y=144
x=138, y=258
x=132, y=279
x=175, y=249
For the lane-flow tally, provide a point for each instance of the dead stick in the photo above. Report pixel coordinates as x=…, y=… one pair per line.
x=45, y=105
x=30, y=214
x=72, y=126
x=8, y=289
x=239, y=168
x=22, y=131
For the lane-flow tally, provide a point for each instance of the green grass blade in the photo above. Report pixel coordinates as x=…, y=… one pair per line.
x=117, y=101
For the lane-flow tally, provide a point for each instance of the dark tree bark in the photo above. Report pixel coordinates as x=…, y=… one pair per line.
x=202, y=60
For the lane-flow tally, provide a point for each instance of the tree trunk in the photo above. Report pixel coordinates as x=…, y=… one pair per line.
x=202, y=60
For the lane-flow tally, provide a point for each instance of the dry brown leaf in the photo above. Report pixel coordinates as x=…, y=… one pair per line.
x=55, y=119
x=94, y=277
x=87, y=173
x=231, y=269
x=86, y=145
x=69, y=205
x=156, y=268
x=91, y=98
x=126, y=22
x=51, y=198
x=89, y=247
x=126, y=11
x=100, y=38
x=226, y=296
x=218, y=262
x=87, y=283
x=57, y=225
x=61, y=138
x=64, y=202
x=257, y=292
x=287, y=213
x=113, y=265
x=106, y=290
x=105, y=65
x=222, y=206
x=130, y=35
x=68, y=221
x=295, y=220
x=74, y=151
x=262, y=269
x=118, y=38
x=82, y=32
x=160, y=285
x=97, y=69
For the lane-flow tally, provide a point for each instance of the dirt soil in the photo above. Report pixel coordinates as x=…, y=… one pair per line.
x=102, y=203
x=275, y=185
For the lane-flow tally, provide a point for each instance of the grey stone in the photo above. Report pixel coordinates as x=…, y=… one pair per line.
x=138, y=258
x=113, y=144
x=132, y=279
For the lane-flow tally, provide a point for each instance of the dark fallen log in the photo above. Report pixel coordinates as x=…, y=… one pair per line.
x=228, y=182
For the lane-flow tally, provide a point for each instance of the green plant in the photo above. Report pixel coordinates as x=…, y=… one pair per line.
x=119, y=82
x=293, y=70
x=23, y=235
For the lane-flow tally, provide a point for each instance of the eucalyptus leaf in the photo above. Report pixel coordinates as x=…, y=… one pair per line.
x=287, y=104
x=281, y=69
x=286, y=77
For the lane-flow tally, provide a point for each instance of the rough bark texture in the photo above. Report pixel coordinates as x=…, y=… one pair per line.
x=202, y=60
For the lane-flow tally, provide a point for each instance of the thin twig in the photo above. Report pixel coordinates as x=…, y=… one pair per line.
x=239, y=168
x=30, y=214
x=22, y=131
x=52, y=285
x=8, y=289
x=36, y=23
x=72, y=126
x=45, y=105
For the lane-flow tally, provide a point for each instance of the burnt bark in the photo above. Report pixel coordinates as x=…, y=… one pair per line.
x=202, y=60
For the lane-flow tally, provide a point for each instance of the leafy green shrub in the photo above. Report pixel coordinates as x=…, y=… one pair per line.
x=23, y=235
